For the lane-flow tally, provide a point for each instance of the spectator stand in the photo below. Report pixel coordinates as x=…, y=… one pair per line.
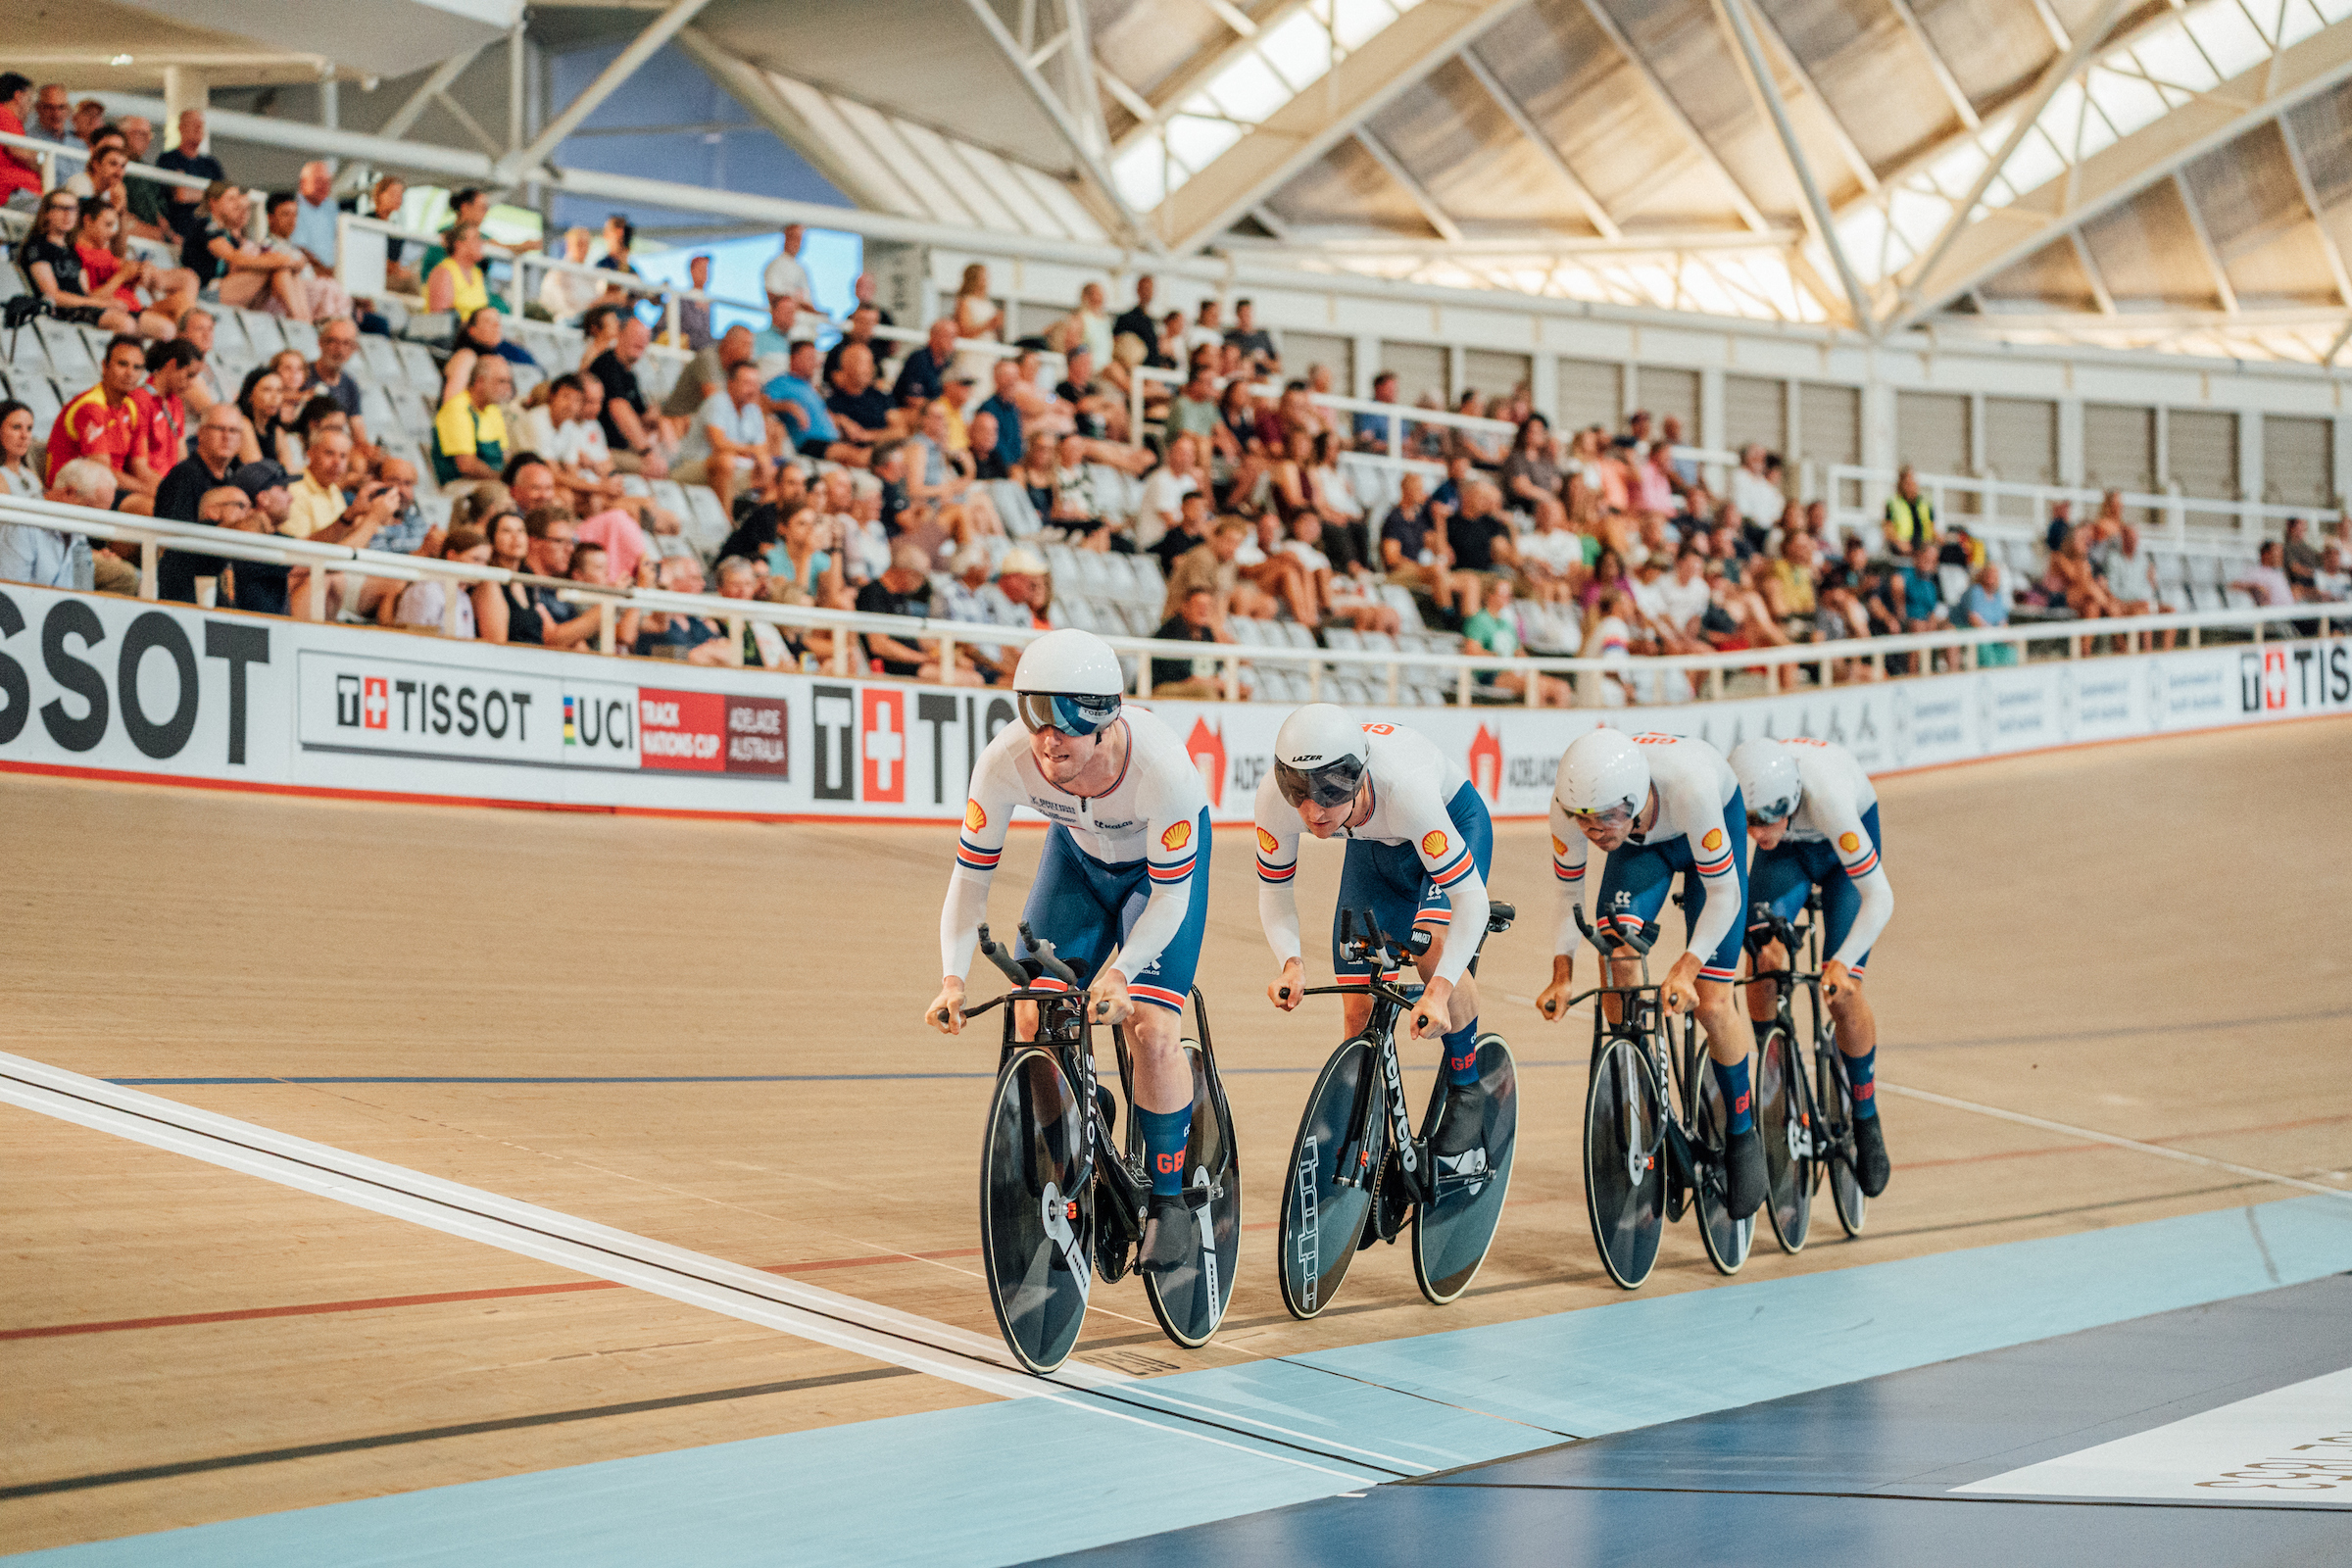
x=1367, y=670
x=2194, y=565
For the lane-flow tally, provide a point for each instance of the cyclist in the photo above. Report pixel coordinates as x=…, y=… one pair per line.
x=1814, y=817
x=1656, y=804
x=1419, y=842
x=1125, y=864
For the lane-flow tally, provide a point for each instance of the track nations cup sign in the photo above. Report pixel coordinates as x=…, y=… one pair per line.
x=105, y=687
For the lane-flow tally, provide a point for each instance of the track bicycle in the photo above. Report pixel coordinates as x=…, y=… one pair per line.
x=1057, y=1205
x=1654, y=1123
x=1806, y=1120
x=1360, y=1172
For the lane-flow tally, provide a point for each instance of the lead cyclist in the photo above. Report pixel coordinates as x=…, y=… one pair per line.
x=1125, y=866
x=1813, y=814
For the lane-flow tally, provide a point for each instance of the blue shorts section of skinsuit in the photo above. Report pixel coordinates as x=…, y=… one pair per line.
x=1635, y=882
x=1084, y=908
x=1786, y=873
x=1391, y=880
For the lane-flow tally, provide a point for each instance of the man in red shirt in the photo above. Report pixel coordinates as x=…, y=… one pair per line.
x=161, y=439
x=19, y=170
x=103, y=422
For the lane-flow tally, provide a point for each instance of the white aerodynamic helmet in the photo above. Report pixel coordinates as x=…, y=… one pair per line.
x=1768, y=779
x=1320, y=755
x=1068, y=680
x=1601, y=772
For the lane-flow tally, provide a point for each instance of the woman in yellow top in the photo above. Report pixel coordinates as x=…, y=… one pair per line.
x=457, y=283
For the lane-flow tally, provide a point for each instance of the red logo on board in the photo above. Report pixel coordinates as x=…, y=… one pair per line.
x=882, y=743
x=1485, y=763
x=682, y=731
x=1206, y=748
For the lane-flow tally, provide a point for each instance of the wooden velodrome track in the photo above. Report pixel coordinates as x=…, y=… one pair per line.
x=2143, y=939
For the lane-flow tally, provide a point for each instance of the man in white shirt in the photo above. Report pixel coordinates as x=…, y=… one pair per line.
x=729, y=442
x=1753, y=491
x=1682, y=597
x=2332, y=581
x=2267, y=581
x=1165, y=490
x=786, y=278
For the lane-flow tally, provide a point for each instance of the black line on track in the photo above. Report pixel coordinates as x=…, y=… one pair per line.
x=467, y=1429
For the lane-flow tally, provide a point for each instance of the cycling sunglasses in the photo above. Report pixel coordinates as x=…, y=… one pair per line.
x=1071, y=713
x=1332, y=785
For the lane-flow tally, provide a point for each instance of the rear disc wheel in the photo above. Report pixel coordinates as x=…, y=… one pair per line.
x=1625, y=1180
x=1454, y=1227
x=1035, y=1233
x=1320, y=1222
x=1190, y=1301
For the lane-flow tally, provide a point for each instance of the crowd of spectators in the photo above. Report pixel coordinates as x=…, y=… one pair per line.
x=863, y=472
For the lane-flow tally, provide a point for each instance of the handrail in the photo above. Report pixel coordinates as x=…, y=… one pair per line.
x=2249, y=514
x=50, y=149
x=156, y=534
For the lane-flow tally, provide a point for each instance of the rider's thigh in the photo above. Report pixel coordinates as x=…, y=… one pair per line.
x=1355, y=1013
x=1154, y=1032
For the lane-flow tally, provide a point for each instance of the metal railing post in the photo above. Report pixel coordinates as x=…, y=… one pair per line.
x=451, y=593
x=1461, y=688
x=1233, y=677
x=607, y=613
x=150, y=552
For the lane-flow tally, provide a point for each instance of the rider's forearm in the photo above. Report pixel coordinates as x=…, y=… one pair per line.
x=1565, y=937
x=1878, y=907
x=1715, y=920
x=1470, y=905
x=959, y=918
x=1278, y=913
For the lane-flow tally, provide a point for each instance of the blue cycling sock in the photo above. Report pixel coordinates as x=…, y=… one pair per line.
x=1166, y=1133
x=1461, y=1054
x=1862, y=1072
x=1733, y=1081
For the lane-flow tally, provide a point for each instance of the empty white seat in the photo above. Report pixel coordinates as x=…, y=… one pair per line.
x=418, y=362
x=69, y=356
x=263, y=332
x=301, y=335
x=382, y=356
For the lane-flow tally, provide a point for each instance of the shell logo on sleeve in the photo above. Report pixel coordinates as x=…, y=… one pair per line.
x=1849, y=842
x=1178, y=835
x=1432, y=843
x=1559, y=846
x=975, y=818
x=1268, y=843
x=1713, y=839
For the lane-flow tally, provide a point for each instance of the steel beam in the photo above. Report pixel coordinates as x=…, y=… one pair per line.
x=625, y=65
x=1524, y=122
x=1749, y=212
x=1437, y=217
x=1085, y=151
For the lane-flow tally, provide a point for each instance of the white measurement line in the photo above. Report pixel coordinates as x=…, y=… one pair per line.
x=2133, y=1144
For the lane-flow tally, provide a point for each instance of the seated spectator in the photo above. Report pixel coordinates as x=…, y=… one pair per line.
x=562, y=431
x=20, y=170
x=1553, y=559
x=1021, y=595
x=1788, y=587
x=101, y=240
x=457, y=282
x=962, y=598
x=51, y=261
x=2071, y=578
x=40, y=556
x=103, y=422
x=1984, y=605
x=1531, y=473
x=771, y=345
x=1256, y=345
x=184, y=206
x=1272, y=578
x=270, y=413
x=941, y=479
x=1680, y=599
x=2266, y=580
x=161, y=439
x=923, y=374
x=433, y=604
x=566, y=296
x=1339, y=593
x=1341, y=515
x=235, y=269
x=856, y=332
x=1211, y=564
x=904, y=589
x=1494, y=629
x=1480, y=536
x=1003, y=408
x=1190, y=532
x=483, y=333
x=18, y=477
x=554, y=551
x=807, y=422
x=599, y=334
x=1922, y=594
x=729, y=446
x=706, y=372
x=328, y=374
x=2300, y=560
x=1413, y=548
x=314, y=295
x=1371, y=431
x=1165, y=491
x=2332, y=583
x=1610, y=637
x=266, y=588
x=1910, y=515
x=503, y=611
x=1075, y=507
x=987, y=459
x=862, y=411
x=1198, y=619
x=1192, y=412
x=469, y=434
x=865, y=539
x=798, y=556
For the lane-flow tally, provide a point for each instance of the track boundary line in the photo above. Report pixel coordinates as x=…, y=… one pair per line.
x=825, y=1317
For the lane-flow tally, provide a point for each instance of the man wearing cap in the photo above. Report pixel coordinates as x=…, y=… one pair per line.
x=1020, y=596
x=261, y=586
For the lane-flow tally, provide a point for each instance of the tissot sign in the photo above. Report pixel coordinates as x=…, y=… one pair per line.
x=116, y=687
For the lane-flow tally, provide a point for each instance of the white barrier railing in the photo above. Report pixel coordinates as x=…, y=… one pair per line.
x=1704, y=674
x=2246, y=518
x=49, y=152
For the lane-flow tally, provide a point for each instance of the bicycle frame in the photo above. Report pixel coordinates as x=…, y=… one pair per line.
x=1065, y=1027
x=1818, y=1139
x=1643, y=1024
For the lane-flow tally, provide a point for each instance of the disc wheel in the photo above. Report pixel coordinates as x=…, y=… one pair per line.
x=1190, y=1301
x=1036, y=1233
x=1784, y=1116
x=1453, y=1228
x=1726, y=1238
x=1625, y=1180
x=1836, y=1107
x=1321, y=1219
